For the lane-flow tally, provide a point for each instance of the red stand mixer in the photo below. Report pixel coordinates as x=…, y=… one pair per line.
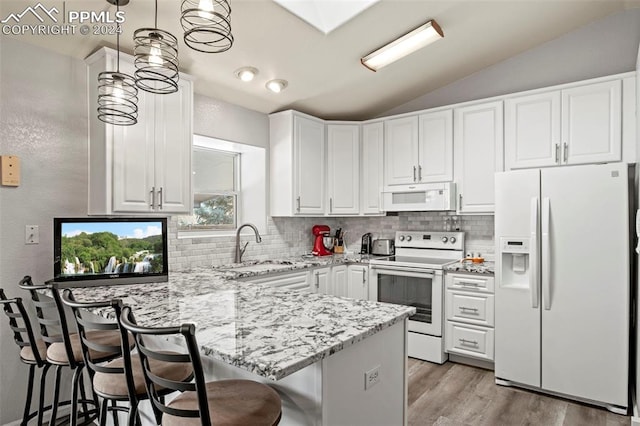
x=321, y=232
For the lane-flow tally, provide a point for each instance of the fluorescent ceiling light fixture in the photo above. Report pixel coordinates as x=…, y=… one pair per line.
x=246, y=73
x=276, y=86
x=416, y=39
x=326, y=15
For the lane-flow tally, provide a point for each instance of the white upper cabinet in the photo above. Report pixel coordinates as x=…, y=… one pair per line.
x=577, y=125
x=592, y=123
x=372, y=168
x=298, y=164
x=401, y=150
x=343, y=169
x=532, y=130
x=146, y=167
x=436, y=146
x=309, y=151
x=478, y=143
x=419, y=149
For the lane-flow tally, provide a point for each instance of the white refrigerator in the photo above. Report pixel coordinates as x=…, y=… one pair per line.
x=563, y=272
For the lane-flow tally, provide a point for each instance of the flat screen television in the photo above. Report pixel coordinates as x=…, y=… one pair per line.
x=92, y=251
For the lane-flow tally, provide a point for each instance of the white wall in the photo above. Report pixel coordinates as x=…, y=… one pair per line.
x=604, y=47
x=43, y=120
x=234, y=123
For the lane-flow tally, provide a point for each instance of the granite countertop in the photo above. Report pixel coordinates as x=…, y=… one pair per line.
x=252, y=268
x=485, y=268
x=264, y=330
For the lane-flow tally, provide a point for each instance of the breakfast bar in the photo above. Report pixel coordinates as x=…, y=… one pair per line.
x=315, y=350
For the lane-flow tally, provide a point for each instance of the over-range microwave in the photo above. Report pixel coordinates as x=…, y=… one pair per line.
x=419, y=197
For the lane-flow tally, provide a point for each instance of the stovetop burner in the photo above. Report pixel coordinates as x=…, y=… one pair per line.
x=425, y=250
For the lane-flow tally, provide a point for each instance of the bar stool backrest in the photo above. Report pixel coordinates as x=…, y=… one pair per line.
x=86, y=323
x=154, y=382
x=21, y=325
x=50, y=315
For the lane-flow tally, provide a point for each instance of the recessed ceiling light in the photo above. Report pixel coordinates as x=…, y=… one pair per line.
x=276, y=86
x=246, y=73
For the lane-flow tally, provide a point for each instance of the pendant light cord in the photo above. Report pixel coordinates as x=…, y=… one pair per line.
x=156, y=14
x=118, y=37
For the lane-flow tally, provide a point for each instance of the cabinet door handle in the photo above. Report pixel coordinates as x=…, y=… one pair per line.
x=459, y=202
x=153, y=198
x=557, y=152
x=465, y=309
x=364, y=279
x=298, y=204
x=160, y=198
x=468, y=284
x=330, y=205
x=419, y=173
x=414, y=173
x=566, y=152
x=468, y=342
x=317, y=279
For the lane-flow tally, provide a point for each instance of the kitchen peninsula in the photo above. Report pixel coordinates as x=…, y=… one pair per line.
x=333, y=360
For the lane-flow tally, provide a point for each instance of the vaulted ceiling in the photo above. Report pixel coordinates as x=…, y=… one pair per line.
x=324, y=72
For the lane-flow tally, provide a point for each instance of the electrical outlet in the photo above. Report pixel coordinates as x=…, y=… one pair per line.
x=31, y=234
x=372, y=377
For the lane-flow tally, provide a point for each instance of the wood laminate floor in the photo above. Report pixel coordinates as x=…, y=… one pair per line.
x=459, y=395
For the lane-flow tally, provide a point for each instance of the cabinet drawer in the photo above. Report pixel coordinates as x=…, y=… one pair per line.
x=291, y=281
x=473, y=308
x=470, y=282
x=469, y=340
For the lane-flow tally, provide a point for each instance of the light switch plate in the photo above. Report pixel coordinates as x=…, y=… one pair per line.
x=9, y=170
x=32, y=234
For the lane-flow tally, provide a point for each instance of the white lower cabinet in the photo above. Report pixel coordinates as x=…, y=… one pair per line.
x=358, y=285
x=339, y=279
x=320, y=280
x=469, y=312
x=289, y=281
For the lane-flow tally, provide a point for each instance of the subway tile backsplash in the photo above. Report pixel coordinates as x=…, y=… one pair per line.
x=291, y=236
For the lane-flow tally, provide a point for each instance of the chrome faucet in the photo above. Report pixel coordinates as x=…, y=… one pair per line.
x=240, y=251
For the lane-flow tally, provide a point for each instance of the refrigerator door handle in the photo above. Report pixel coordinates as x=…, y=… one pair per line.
x=534, y=275
x=546, y=254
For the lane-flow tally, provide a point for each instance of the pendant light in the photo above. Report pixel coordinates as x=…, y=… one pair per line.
x=207, y=25
x=156, y=59
x=117, y=91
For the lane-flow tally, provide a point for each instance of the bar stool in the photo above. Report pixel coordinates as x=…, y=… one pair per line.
x=222, y=402
x=33, y=352
x=121, y=379
x=64, y=349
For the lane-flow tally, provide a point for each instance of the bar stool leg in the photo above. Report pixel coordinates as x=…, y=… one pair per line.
x=103, y=412
x=114, y=404
x=74, y=395
x=56, y=397
x=83, y=397
x=27, y=405
x=43, y=379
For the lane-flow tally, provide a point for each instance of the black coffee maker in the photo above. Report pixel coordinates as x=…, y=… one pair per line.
x=367, y=242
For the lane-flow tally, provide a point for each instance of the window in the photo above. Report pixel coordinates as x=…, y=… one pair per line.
x=229, y=188
x=215, y=190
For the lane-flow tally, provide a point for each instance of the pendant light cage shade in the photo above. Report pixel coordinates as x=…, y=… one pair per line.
x=156, y=60
x=117, y=98
x=207, y=25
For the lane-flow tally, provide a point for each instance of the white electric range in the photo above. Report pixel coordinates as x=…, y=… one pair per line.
x=414, y=277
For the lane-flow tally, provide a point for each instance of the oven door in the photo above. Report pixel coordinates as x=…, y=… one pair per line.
x=420, y=288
